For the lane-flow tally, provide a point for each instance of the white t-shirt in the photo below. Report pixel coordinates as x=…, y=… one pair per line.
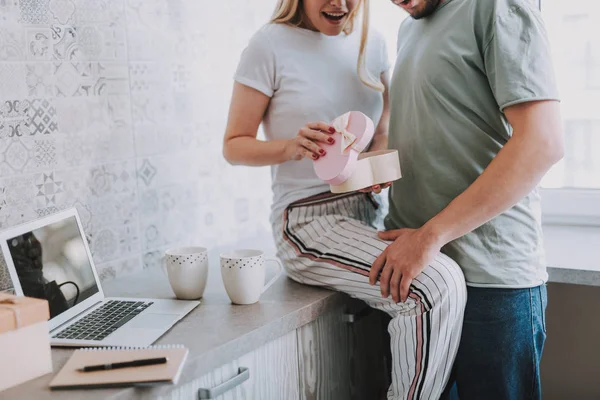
x=310, y=77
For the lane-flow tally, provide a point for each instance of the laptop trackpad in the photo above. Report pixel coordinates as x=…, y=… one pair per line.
x=152, y=321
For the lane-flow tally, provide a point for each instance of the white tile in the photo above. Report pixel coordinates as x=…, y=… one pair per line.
x=35, y=12
x=12, y=42
x=40, y=79
x=99, y=12
x=12, y=81
x=62, y=11
x=10, y=12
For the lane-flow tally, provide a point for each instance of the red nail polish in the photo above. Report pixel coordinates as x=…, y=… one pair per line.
x=315, y=157
x=331, y=140
x=322, y=152
x=332, y=129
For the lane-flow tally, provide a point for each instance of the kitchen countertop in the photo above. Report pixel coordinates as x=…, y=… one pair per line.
x=574, y=276
x=217, y=332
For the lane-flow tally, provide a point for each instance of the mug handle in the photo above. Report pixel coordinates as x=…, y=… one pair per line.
x=277, y=275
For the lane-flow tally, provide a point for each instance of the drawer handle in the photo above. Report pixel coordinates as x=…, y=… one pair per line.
x=242, y=376
x=355, y=317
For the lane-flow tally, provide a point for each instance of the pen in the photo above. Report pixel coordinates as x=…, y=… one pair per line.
x=126, y=364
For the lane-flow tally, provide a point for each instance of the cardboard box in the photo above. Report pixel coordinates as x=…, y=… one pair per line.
x=24, y=340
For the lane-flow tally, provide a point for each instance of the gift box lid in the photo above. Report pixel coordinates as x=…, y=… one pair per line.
x=18, y=311
x=354, y=131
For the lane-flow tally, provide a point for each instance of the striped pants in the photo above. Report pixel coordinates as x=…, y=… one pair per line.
x=329, y=241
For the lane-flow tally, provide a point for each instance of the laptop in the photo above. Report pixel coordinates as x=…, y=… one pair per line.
x=49, y=258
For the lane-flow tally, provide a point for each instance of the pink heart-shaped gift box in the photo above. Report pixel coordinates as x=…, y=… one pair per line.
x=341, y=158
x=345, y=167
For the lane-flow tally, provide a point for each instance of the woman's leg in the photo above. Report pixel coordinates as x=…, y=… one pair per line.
x=328, y=242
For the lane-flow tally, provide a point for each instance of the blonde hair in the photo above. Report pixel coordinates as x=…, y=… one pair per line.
x=290, y=12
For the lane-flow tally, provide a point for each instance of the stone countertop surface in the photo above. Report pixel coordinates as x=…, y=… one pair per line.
x=574, y=276
x=216, y=332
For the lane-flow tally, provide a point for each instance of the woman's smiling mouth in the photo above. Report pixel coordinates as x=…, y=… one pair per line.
x=334, y=17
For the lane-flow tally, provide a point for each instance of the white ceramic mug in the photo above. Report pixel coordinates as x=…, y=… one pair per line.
x=187, y=268
x=243, y=273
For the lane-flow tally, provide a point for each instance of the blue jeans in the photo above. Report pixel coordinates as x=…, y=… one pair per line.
x=501, y=345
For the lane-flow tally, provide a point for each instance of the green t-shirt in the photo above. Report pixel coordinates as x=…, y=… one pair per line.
x=455, y=73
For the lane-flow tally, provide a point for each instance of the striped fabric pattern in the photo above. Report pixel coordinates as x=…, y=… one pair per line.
x=329, y=241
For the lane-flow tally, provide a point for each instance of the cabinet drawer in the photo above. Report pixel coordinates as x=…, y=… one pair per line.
x=273, y=375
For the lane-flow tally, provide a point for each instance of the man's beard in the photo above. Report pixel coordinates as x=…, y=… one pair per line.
x=428, y=9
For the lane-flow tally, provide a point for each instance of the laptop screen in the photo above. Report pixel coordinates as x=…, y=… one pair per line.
x=52, y=263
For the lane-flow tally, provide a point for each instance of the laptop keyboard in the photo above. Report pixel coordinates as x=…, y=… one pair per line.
x=104, y=320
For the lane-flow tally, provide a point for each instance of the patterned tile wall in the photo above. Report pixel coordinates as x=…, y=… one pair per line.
x=118, y=107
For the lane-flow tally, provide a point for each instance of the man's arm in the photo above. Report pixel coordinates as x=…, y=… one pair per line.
x=536, y=145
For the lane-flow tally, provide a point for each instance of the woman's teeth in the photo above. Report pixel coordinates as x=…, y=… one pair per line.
x=334, y=16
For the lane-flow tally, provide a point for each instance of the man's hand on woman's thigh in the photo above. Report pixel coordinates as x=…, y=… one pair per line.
x=402, y=261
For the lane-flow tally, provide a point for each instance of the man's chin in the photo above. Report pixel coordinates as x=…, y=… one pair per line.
x=417, y=15
x=423, y=9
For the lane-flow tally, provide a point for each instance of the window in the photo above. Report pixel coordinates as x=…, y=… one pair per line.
x=572, y=192
x=573, y=32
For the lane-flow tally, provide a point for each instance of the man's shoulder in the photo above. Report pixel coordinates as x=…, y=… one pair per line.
x=493, y=9
x=490, y=15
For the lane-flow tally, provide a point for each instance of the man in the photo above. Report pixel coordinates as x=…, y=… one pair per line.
x=475, y=118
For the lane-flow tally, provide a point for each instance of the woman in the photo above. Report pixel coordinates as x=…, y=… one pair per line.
x=307, y=66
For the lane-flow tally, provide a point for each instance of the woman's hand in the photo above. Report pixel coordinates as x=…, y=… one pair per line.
x=376, y=188
x=306, y=142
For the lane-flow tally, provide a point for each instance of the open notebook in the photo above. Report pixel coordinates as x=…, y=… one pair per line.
x=70, y=377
